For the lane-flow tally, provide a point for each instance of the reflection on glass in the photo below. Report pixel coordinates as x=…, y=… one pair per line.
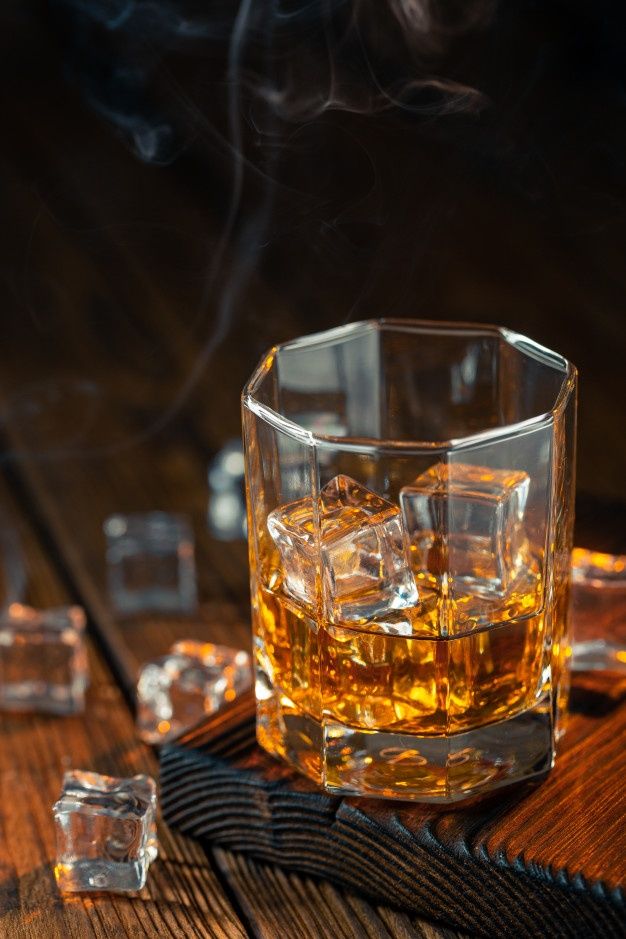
x=410, y=557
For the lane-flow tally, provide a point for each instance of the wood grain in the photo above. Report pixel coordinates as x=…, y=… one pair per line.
x=539, y=860
x=103, y=274
x=183, y=896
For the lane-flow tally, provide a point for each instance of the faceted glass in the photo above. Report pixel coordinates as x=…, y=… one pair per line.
x=364, y=551
x=106, y=832
x=43, y=659
x=176, y=691
x=410, y=510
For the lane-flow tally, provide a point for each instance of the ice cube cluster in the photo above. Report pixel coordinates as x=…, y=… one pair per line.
x=458, y=529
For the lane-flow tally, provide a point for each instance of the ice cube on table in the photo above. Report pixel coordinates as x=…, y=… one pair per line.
x=466, y=525
x=106, y=832
x=43, y=659
x=176, y=691
x=363, y=551
x=150, y=563
x=598, y=611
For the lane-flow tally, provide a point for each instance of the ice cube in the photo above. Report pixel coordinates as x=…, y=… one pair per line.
x=43, y=660
x=364, y=551
x=598, y=611
x=106, y=832
x=177, y=690
x=150, y=563
x=466, y=525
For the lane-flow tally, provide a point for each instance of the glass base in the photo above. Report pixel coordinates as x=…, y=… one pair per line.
x=379, y=764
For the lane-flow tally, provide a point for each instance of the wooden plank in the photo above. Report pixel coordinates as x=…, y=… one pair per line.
x=538, y=860
x=283, y=904
x=183, y=896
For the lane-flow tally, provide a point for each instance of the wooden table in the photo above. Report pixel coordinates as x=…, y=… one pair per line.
x=110, y=401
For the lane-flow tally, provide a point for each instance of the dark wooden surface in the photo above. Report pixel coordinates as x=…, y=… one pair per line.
x=118, y=385
x=184, y=896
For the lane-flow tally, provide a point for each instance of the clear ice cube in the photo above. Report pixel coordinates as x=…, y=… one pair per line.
x=150, y=563
x=176, y=691
x=466, y=526
x=106, y=832
x=364, y=551
x=43, y=659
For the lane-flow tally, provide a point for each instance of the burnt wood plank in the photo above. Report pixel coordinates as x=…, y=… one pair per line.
x=539, y=860
x=289, y=906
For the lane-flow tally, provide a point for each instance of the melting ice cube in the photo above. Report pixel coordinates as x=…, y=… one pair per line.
x=177, y=690
x=43, y=659
x=363, y=551
x=466, y=525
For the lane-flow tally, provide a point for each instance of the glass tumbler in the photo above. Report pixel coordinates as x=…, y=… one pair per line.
x=410, y=508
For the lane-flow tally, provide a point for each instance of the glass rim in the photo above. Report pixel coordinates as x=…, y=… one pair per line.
x=369, y=445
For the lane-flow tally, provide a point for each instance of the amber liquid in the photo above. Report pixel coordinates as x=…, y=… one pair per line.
x=422, y=684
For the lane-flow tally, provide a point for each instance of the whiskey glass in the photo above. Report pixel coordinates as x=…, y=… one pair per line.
x=410, y=510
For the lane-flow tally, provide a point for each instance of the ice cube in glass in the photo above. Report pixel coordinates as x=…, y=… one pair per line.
x=466, y=525
x=106, y=832
x=43, y=660
x=150, y=563
x=363, y=546
x=176, y=691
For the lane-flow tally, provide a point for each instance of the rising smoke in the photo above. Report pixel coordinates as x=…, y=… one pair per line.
x=351, y=134
x=239, y=81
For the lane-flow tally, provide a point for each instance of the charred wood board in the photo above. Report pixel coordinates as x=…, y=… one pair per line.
x=542, y=860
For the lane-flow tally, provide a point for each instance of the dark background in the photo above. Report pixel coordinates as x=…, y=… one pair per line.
x=181, y=189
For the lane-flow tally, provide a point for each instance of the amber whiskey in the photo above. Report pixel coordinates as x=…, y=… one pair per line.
x=410, y=494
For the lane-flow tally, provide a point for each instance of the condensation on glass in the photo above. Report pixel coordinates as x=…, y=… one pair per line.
x=177, y=690
x=410, y=510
